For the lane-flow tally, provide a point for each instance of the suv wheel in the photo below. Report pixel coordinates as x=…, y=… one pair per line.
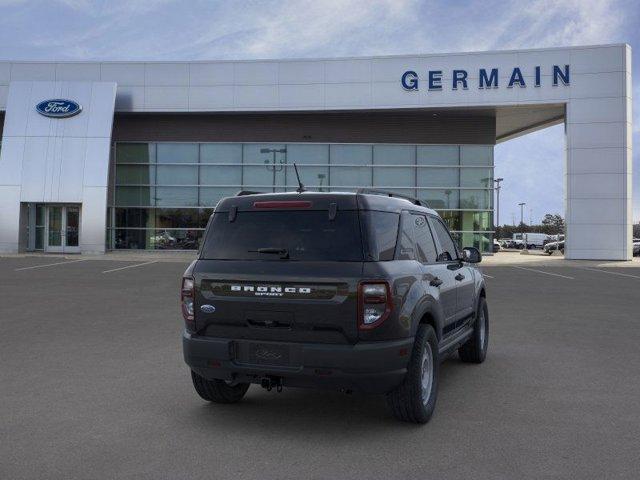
x=475, y=349
x=218, y=391
x=415, y=399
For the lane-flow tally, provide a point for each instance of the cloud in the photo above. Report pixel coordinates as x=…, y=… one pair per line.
x=251, y=29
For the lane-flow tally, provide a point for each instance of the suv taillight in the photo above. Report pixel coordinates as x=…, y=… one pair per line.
x=374, y=304
x=186, y=301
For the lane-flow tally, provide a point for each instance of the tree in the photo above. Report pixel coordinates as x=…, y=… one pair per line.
x=554, y=220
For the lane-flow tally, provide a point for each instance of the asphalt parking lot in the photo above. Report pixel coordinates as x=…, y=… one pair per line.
x=93, y=385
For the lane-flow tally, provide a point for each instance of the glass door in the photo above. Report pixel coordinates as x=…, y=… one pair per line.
x=72, y=229
x=62, y=229
x=55, y=232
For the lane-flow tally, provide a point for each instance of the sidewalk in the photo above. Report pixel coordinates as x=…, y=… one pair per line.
x=121, y=255
x=536, y=257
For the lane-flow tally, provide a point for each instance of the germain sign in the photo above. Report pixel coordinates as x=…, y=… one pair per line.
x=58, y=108
x=487, y=78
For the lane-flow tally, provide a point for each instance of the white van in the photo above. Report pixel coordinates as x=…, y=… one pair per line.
x=533, y=240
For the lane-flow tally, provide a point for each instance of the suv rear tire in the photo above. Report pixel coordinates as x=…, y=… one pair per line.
x=415, y=399
x=475, y=349
x=218, y=391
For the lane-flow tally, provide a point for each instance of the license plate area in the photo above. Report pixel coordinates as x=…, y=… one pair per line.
x=265, y=353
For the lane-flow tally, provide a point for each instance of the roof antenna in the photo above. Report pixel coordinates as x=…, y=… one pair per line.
x=300, y=188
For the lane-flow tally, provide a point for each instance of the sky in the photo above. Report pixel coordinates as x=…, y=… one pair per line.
x=532, y=165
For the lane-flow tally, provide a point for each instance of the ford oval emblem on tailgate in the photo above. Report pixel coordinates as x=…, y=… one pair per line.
x=207, y=308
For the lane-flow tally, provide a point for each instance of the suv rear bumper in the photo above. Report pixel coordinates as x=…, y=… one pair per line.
x=371, y=367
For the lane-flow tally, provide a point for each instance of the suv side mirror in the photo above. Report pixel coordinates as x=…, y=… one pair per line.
x=471, y=255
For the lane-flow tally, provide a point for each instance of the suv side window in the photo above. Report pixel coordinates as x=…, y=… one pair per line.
x=424, y=240
x=448, y=251
x=406, y=242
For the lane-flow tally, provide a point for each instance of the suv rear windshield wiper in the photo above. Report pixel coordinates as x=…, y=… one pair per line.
x=283, y=252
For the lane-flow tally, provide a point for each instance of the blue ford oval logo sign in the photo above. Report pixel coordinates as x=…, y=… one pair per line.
x=207, y=308
x=58, y=108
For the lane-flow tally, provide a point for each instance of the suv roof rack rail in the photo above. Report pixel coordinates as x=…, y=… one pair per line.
x=373, y=191
x=242, y=193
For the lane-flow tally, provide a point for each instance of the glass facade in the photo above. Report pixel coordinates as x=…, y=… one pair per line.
x=165, y=192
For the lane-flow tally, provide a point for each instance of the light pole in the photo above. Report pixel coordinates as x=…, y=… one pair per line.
x=497, y=182
x=524, y=240
x=274, y=167
x=522, y=212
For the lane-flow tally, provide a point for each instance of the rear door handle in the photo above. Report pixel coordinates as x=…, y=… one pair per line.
x=459, y=277
x=435, y=282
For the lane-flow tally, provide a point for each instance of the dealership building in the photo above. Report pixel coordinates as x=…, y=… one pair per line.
x=99, y=156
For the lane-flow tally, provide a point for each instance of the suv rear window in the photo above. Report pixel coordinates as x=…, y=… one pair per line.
x=305, y=235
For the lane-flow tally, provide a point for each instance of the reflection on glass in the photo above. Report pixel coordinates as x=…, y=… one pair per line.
x=176, y=196
x=55, y=227
x=210, y=196
x=439, y=177
x=177, y=152
x=476, y=177
x=220, y=175
x=73, y=226
x=135, y=196
x=440, y=199
x=476, y=199
x=135, y=175
x=157, y=239
x=482, y=241
x=39, y=238
x=438, y=155
x=169, y=196
x=476, y=155
x=221, y=153
x=177, y=175
x=135, y=152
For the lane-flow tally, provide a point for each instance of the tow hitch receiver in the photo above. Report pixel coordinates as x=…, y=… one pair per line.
x=269, y=383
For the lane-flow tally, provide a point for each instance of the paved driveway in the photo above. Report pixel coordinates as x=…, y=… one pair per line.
x=92, y=385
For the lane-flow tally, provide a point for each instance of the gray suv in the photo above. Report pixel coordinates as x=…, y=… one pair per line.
x=361, y=291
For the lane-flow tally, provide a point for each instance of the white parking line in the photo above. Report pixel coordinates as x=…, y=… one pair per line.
x=130, y=266
x=545, y=273
x=611, y=273
x=487, y=276
x=50, y=264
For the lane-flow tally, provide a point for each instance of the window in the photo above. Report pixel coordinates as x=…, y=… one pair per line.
x=476, y=155
x=406, y=242
x=476, y=177
x=424, y=241
x=438, y=155
x=355, y=173
x=313, y=166
x=448, y=249
x=306, y=236
x=381, y=232
x=177, y=153
x=159, y=177
x=394, y=176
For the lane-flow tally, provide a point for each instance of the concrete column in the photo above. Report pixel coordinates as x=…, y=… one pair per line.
x=598, y=172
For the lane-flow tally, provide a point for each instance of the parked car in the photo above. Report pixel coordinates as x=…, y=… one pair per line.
x=553, y=246
x=636, y=247
x=496, y=246
x=507, y=243
x=350, y=291
x=533, y=240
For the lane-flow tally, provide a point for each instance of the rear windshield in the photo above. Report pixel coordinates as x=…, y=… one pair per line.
x=293, y=235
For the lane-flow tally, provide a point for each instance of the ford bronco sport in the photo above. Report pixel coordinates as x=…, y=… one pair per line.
x=361, y=291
